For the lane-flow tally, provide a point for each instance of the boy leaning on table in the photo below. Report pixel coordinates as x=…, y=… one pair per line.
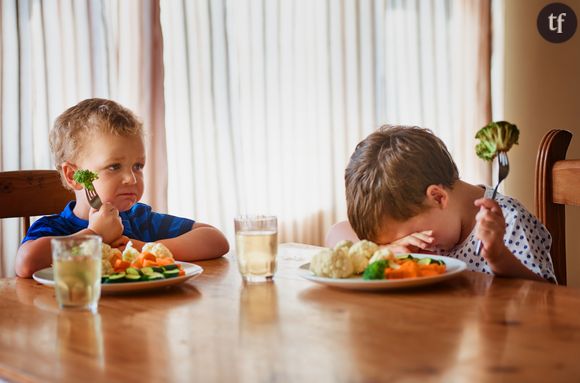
x=403, y=190
x=106, y=138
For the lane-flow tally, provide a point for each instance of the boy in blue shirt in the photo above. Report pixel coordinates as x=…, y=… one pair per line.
x=106, y=138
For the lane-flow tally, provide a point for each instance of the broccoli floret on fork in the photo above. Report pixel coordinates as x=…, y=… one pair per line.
x=86, y=178
x=495, y=137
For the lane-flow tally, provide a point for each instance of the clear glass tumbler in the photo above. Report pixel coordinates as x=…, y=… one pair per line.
x=256, y=246
x=76, y=263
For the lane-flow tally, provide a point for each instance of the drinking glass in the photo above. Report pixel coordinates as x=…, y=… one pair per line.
x=76, y=263
x=256, y=246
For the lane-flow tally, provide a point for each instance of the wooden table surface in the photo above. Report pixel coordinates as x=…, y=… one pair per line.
x=216, y=329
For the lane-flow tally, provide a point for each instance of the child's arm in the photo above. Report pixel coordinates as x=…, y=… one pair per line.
x=338, y=232
x=200, y=243
x=35, y=254
x=412, y=243
x=491, y=230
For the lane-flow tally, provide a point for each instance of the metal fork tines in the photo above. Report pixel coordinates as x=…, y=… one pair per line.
x=503, y=171
x=93, y=198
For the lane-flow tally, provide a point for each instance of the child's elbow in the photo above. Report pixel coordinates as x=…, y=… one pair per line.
x=223, y=248
x=22, y=268
x=31, y=257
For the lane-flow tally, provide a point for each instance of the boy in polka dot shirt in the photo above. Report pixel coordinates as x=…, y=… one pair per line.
x=403, y=191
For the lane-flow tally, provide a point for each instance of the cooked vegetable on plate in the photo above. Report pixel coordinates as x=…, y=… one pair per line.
x=154, y=262
x=366, y=258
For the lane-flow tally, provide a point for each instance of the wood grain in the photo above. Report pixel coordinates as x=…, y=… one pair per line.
x=214, y=328
x=551, y=186
x=28, y=193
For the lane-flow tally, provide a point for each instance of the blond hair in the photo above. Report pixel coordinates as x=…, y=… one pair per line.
x=389, y=173
x=94, y=115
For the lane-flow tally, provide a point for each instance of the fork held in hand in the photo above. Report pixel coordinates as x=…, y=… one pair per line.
x=93, y=198
x=503, y=170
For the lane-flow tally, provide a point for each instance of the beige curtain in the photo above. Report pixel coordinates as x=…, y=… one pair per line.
x=266, y=100
x=55, y=53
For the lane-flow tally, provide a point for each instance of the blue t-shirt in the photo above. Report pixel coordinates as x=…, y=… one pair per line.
x=139, y=223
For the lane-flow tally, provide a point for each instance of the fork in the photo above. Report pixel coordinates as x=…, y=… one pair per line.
x=93, y=198
x=503, y=171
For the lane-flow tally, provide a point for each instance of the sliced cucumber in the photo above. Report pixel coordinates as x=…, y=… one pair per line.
x=157, y=269
x=153, y=276
x=133, y=277
x=171, y=273
x=425, y=261
x=171, y=266
x=132, y=271
x=404, y=256
x=117, y=277
x=147, y=270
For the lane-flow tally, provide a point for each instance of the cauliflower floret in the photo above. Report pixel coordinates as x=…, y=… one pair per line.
x=105, y=252
x=360, y=253
x=130, y=254
x=332, y=263
x=159, y=250
x=106, y=267
x=344, y=243
x=364, y=247
x=384, y=253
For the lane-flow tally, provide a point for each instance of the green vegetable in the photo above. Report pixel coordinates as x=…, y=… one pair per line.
x=153, y=276
x=117, y=277
x=133, y=277
x=425, y=261
x=86, y=178
x=376, y=270
x=171, y=266
x=498, y=136
x=171, y=273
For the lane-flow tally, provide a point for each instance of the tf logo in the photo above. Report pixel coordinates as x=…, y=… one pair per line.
x=557, y=22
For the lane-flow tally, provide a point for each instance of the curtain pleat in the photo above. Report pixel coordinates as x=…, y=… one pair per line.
x=56, y=53
x=253, y=106
x=266, y=100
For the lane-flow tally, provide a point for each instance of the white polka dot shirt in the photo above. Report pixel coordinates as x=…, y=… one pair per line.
x=526, y=237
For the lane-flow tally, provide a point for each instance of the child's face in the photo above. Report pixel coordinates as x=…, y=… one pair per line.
x=444, y=223
x=119, y=162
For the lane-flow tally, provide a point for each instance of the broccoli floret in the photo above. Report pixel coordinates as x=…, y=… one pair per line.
x=86, y=178
x=376, y=270
x=496, y=137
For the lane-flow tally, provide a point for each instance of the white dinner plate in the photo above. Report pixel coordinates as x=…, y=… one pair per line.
x=454, y=267
x=46, y=277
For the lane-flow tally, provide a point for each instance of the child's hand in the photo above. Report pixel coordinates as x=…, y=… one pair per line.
x=490, y=229
x=106, y=222
x=412, y=243
x=120, y=242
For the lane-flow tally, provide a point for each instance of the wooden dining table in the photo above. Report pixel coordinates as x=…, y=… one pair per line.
x=214, y=328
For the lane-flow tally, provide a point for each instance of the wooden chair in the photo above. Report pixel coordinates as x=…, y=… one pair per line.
x=29, y=193
x=557, y=185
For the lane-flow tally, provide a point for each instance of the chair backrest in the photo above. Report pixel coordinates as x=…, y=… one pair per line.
x=557, y=185
x=29, y=193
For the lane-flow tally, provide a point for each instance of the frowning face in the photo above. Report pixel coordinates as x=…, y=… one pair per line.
x=119, y=162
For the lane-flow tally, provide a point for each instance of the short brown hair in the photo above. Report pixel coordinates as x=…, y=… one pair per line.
x=389, y=173
x=72, y=127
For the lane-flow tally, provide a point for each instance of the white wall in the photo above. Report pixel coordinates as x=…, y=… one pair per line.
x=542, y=92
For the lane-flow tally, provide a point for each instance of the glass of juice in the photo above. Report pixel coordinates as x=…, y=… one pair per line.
x=76, y=264
x=256, y=246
